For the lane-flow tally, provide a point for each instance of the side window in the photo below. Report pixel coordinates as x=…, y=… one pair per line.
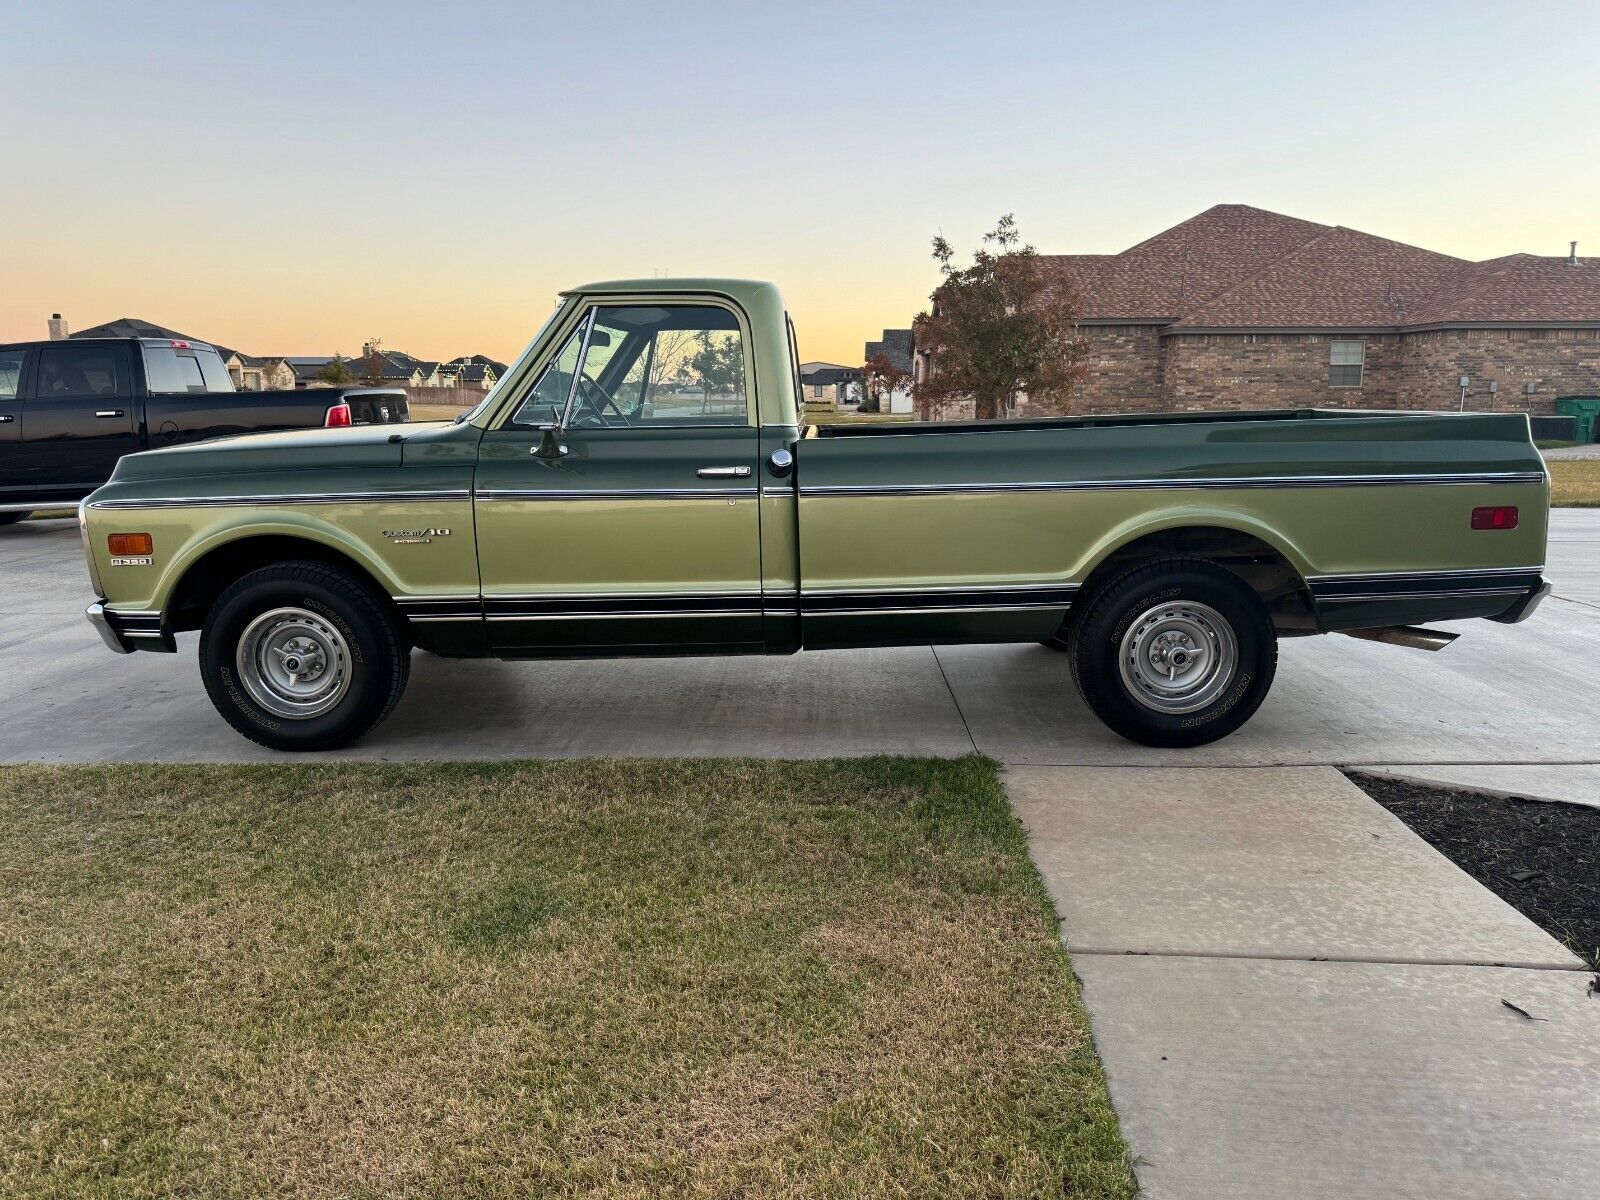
x=651, y=365
x=662, y=365
x=10, y=373
x=75, y=372
x=553, y=385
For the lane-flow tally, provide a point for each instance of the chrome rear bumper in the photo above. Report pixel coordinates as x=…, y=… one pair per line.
x=1523, y=608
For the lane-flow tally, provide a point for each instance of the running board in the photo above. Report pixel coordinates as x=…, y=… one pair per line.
x=1414, y=636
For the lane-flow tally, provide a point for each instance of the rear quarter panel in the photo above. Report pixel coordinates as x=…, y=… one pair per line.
x=1336, y=496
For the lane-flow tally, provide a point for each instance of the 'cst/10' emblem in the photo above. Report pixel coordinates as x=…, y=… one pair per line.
x=412, y=537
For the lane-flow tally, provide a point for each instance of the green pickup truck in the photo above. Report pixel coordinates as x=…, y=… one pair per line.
x=640, y=483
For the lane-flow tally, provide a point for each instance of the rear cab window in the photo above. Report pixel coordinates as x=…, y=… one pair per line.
x=176, y=368
x=10, y=373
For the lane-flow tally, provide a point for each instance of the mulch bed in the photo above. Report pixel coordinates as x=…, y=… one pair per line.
x=1541, y=858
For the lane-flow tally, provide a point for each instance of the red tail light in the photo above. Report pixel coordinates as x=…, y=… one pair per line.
x=1501, y=517
x=338, y=417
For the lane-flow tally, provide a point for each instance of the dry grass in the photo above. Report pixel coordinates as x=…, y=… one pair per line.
x=851, y=417
x=598, y=979
x=1574, y=482
x=436, y=412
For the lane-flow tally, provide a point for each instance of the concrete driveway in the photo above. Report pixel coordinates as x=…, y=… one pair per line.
x=1493, y=697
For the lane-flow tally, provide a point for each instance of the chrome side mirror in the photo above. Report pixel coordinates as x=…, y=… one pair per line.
x=550, y=445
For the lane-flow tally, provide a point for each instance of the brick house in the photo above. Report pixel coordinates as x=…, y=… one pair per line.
x=1243, y=308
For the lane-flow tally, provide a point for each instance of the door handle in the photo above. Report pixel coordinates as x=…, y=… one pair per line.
x=109, y=412
x=723, y=472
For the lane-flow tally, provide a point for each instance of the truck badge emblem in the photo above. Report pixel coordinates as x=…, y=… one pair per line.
x=414, y=537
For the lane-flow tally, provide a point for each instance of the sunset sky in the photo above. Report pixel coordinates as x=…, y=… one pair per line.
x=291, y=178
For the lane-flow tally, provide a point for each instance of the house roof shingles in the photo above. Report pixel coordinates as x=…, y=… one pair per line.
x=897, y=345
x=1238, y=267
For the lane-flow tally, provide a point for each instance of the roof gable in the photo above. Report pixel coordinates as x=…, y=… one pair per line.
x=1238, y=267
x=1341, y=278
x=1169, y=274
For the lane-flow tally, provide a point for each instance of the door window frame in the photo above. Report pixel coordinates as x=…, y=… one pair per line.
x=584, y=317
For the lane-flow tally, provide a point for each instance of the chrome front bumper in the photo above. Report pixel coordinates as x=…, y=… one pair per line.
x=114, y=641
x=126, y=632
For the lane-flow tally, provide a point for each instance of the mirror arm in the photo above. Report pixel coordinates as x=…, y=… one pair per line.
x=550, y=445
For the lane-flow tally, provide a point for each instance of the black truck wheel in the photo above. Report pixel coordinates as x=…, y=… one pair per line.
x=301, y=656
x=1177, y=652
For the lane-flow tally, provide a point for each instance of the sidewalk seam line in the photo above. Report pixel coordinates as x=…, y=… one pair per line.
x=954, y=699
x=1577, y=968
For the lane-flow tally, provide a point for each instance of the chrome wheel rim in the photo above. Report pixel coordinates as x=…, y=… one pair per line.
x=294, y=663
x=1178, y=657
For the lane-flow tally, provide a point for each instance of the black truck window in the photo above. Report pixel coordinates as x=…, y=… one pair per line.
x=170, y=370
x=72, y=372
x=10, y=373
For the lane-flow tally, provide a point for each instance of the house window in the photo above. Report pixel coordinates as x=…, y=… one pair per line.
x=1344, y=364
x=816, y=391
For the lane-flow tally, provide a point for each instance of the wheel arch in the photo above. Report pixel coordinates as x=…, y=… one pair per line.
x=1269, y=562
x=211, y=566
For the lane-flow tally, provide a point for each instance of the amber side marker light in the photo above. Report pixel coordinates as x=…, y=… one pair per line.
x=1500, y=517
x=125, y=544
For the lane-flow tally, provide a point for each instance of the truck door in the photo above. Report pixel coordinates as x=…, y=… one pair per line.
x=12, y=363
x=78, y=417
x=636, y=527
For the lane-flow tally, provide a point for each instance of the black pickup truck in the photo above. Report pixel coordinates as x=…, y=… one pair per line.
x=70, y=409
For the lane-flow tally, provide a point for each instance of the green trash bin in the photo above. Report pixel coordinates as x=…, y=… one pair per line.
x=1586, y=409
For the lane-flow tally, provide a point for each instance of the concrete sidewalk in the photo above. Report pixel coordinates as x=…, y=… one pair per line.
x=1294, y=995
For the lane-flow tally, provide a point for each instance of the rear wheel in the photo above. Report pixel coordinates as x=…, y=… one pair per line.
x=1178, y=652
x=11, y=518
x=301, y=656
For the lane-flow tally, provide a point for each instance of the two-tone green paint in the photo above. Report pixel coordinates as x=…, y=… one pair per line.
x=880, y=535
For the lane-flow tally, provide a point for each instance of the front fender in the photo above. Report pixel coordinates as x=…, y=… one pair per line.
x=197, y=532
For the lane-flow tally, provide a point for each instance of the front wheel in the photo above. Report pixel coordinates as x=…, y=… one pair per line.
x=1178, y=652
x=301, y=656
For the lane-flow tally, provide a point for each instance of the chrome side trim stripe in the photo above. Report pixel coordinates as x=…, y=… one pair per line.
x=303, y=498
x=706, y=493
x=1169, y=484
x=952, y=598
x=865, y=601
x=903, y=489
x=630, y=614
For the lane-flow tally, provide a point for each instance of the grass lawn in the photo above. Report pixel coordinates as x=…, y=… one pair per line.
x=436, y=412
x=852, y=417
x=590, y=978
x=1574, y=482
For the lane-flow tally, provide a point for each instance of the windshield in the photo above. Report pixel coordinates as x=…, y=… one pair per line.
x=181, y=368
x=514, y=371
